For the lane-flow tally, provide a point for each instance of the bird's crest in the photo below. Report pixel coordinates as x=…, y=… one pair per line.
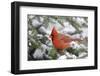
x=54, y=32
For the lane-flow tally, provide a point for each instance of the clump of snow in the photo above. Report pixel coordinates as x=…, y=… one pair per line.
x=70, y=56
x=35, y=23
x=30, y=32
x=74, y=45
x=73, y=56
x=41, y=52
x=39, y=36
x=38, y=54
x=84, y=54
x=41, y=19
x=80, y=20
x=68, y=28
x=76, y=36
x=66, y=56
x=30, y=44
x=42, y=29
x=44, y=47
x=84, y=32
x=83, y=46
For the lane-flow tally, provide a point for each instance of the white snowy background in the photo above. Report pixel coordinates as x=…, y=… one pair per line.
x=40, y=46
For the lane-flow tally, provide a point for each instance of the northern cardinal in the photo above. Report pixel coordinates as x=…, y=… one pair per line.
x=61, y=41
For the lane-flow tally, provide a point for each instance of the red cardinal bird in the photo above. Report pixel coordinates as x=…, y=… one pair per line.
x=61, y=41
